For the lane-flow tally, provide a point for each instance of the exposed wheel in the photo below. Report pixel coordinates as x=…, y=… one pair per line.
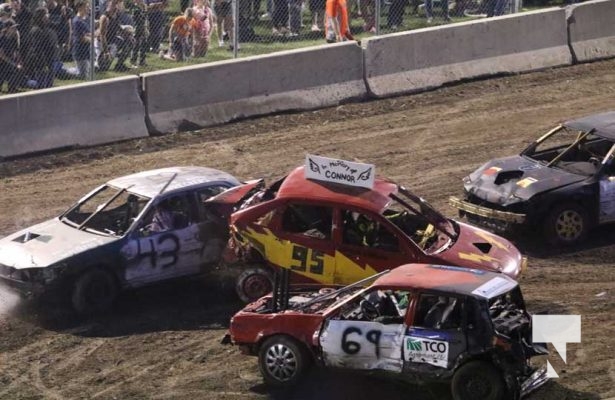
x=94, y=292
x=566, y=224
x=254, y=283
x=477, y=380
x=282, y=361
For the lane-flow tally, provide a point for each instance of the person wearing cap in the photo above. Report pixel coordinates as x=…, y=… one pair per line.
x=10, y=61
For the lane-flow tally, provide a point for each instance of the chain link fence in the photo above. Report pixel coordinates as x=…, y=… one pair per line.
x=45, y=43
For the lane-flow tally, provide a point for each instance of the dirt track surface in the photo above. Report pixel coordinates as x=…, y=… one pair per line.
x=163, y=342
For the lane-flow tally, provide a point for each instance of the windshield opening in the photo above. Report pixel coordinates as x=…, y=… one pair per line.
x=506, y=302
x=319, y=302
x=507, y=312
x=430, y=230
x=577, y=152
x=109, y=210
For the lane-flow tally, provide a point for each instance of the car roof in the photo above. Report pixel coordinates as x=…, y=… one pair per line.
x=604, y=124
x=150, y=183
x=447, y=279
x=296, y=186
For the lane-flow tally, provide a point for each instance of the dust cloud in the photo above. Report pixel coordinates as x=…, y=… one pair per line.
x=8, y=301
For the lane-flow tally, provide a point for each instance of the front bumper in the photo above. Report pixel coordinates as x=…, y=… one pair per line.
x=485, y=212
x=534, y=381
x=24, y=289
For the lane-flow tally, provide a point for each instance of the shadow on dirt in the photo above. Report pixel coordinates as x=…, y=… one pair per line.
x=202, y=303
x=552, y=390
x=326, y=384
x=534, y=245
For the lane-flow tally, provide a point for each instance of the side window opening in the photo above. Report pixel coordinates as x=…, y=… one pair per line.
x=109, y=210
x=361, y=230
x=210, y=191
x=169, y=214
x=438, y=312
x=308, y=220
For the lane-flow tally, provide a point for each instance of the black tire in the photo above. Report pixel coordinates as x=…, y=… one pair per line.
x=94, y=292
x=254, y=283
x=282, y=361
x=478, y=380
x=566, y=224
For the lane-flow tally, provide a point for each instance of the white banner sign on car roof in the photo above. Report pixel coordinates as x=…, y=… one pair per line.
x=339, y=171
x=494, y=287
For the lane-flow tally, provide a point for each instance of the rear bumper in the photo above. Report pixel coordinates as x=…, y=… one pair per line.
x=485, y=212
x=534, y=381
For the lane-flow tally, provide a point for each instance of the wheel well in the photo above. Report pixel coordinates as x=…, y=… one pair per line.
x=104, y=268
x=490, y=359
x=495, y=360
x=302, y=345
x=485, y=357
x=581, y=201
x=256, y=256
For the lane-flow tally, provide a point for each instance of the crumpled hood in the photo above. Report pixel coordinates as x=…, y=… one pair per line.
x=479, y=249
x=47, y=243
x=512, y=179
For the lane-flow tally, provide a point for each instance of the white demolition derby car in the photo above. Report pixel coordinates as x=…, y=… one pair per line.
x=130, y=232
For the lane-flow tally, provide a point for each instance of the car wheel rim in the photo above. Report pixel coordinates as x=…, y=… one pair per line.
x=281, y=362
x=569, y=225
x=256, y=286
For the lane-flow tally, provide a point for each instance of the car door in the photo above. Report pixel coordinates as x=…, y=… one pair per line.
x=165, y=252
x=353, y=340
x=303, y=236
x=366, y=245
x=436, y=337
x=606, y=186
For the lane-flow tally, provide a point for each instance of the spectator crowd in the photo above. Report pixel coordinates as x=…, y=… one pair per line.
x=44, y=40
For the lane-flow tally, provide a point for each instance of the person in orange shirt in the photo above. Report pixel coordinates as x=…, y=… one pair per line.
x=337, y=28
x=179, y=32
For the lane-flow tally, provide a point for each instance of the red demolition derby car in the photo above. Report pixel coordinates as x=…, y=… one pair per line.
x=333, y=222
x=423, y=323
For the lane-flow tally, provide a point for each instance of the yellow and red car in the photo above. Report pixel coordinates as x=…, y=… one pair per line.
x=336, y=234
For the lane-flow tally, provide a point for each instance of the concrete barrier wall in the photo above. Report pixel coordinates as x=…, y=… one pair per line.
x=83, y=114
x=427, y=58
x=592, y=30
x=219, y=92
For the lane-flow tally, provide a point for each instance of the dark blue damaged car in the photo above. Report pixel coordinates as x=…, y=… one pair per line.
x=562, y=185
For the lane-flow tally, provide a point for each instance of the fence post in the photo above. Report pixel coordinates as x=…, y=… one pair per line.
x=235, y=27
x=378, y=11
x=92, y=39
